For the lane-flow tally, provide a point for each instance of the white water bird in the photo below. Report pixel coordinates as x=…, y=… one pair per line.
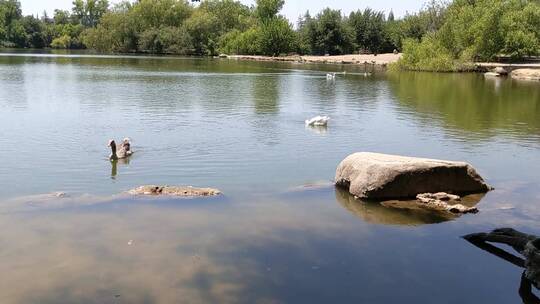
x=318, y=121
x=331, y=76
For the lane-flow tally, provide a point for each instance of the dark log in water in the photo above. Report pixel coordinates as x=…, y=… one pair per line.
x=527, y=245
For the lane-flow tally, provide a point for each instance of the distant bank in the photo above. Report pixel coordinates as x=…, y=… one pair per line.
x=380, y=60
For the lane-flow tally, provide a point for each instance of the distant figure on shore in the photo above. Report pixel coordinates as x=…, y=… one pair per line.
x=124, y=150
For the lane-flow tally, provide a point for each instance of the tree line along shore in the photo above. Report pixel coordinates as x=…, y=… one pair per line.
x=442, y=36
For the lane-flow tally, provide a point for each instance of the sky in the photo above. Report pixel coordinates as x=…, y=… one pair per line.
x=293, y=8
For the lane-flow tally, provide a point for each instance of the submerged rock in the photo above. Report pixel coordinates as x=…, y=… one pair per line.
x=492, y=74
x=181, y=191
x=318, y=185
x=500, y=71
x=526, y=74
x=382, y=177
x=400, y=213
x=444, y=202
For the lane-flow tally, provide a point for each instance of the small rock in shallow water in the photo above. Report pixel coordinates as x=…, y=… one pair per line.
x=444, y=202
x=441, y=196
x=179, y=191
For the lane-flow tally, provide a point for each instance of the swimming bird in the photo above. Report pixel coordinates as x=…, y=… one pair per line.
x=318, y=121
x=124, y=150
x=331, y=76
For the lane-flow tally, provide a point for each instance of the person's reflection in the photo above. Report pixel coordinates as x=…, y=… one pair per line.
x=516, y=240
x=114, y=166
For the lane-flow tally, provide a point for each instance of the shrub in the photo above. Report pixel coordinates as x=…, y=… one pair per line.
x=62, y=42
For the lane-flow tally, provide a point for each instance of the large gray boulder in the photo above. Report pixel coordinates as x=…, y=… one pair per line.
x=376, y=176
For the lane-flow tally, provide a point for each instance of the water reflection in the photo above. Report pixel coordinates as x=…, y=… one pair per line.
x=400, y=213
x=321, y=130
x=114, y=166
x=266, y=90
x=470, y=103
x=376, y=213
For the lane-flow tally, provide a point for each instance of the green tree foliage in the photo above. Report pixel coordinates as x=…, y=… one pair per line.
x=479, y=30
x=231, y=15
x=116, y=32
x=370, y=30
x=33, y=32
x=89, y=12
x=443, y=35
x=62, y=42
x=160, y=13
x=328, y=33
x=277, y=37
x=204, y=29
x=61, y=17
x=10, y=27
x=269, y=34
x=237, y=42
x=268, y=9
x=166, y=40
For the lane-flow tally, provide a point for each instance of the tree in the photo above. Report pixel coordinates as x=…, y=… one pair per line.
x=369, y=30
x=329, y=34
x=89, y=12
x=303, y=24
x=203, y=27
x=62, y=42
x=33, y=28
x=61, y=17
x=160, y=13
x=479, y=30
x=231, y=15
x=10, y=10
x=268, y=9
x=116, y=32
x=277, y=37
x=391, y=17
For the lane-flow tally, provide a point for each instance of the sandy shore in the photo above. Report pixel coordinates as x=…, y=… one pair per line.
x=381, y=59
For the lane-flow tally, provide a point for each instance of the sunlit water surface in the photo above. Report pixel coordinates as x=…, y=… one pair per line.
x=239, y=127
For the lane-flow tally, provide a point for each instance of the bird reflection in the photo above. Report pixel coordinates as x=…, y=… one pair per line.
x=114, y=166
x=318, y=129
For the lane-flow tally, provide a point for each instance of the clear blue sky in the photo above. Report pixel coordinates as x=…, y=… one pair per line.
x=293, y=8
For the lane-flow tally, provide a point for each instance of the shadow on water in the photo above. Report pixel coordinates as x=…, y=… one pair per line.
x=397, y=212
x=470, y=103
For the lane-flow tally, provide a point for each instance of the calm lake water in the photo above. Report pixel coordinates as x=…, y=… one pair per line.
x=239, y=127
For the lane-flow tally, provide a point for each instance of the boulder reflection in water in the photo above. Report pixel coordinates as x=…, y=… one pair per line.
x=402, y=213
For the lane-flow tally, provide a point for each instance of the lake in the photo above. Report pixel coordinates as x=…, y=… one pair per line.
x=239, y=127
